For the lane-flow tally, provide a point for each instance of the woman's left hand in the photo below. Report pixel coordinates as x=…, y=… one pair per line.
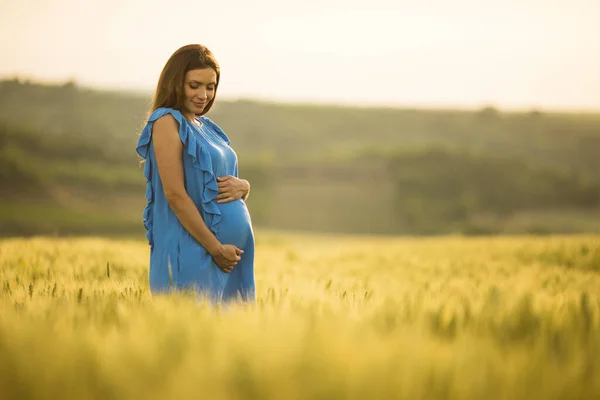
x=232, y=188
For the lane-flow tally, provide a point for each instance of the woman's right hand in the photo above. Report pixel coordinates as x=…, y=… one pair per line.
x=227, y=256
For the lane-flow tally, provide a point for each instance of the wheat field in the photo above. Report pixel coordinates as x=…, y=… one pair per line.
x=336, y=317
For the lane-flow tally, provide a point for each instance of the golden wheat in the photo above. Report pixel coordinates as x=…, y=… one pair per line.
x=335, y=318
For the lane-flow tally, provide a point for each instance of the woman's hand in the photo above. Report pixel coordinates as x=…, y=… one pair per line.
x=232, y=188
x=226, y=257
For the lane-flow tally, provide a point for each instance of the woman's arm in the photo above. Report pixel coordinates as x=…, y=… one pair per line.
x=168, y=151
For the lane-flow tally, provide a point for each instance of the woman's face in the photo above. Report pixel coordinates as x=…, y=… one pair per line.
x=199, y=88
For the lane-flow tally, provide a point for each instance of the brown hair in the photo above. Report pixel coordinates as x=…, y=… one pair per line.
x=169, y=90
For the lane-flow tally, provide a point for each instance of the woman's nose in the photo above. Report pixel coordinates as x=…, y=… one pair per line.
x=201, y=94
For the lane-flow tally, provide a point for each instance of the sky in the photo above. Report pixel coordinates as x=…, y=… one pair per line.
x=511, y=54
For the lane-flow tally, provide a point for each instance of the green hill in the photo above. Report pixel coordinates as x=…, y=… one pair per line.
x=68, y=165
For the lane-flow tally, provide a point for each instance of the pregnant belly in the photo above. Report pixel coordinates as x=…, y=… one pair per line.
x=235, y=226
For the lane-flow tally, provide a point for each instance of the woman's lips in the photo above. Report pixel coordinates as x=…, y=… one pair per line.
x=199, y=104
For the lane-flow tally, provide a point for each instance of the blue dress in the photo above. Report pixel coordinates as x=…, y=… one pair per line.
x=177, y=260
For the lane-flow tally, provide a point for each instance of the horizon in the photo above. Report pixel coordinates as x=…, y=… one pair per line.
x=311, y=103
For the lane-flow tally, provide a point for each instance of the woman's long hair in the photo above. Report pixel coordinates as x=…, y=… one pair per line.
x=170, y=90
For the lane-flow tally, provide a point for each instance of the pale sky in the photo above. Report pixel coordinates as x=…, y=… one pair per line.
x=449, y=53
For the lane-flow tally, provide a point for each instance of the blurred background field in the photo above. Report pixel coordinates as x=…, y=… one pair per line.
x=70, y=166
x=336, y=317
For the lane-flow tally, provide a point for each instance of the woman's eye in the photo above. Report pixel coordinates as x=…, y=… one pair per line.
x=210, y=88
x=194, y=87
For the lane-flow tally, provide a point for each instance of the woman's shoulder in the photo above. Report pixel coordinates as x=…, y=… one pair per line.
x=155, y=120
x=162, y=111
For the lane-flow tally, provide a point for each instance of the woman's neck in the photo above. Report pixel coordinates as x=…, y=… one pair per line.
x=192, y=119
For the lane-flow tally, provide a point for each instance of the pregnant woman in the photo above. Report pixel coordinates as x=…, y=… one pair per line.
x=197, y=222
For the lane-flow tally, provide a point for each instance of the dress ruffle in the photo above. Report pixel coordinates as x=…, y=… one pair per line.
x=200, y=159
